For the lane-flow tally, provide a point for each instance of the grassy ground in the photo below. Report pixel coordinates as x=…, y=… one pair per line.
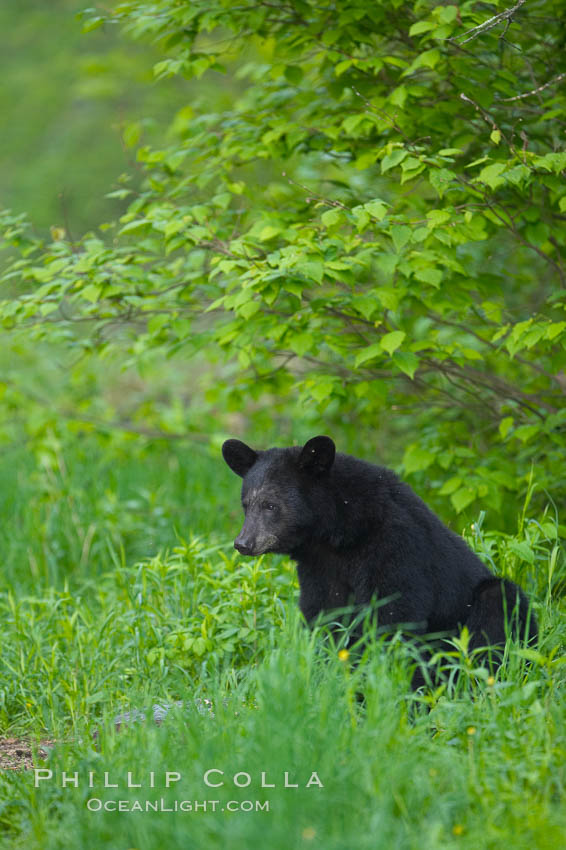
x=120, y=590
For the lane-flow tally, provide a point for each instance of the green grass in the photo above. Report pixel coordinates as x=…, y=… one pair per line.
x=161, y=629
x=154, y=605
x=72, y=515
x=470, y=772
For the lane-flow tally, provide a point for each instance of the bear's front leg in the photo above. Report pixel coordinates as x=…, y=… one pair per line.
x=321, y=592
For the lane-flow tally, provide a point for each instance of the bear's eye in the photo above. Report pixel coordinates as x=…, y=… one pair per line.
x=268, y=506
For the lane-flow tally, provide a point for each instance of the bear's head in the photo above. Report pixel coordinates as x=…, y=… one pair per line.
x=281, y=493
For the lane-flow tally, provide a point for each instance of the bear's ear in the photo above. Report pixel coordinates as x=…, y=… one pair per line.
x=239, y=457
x=317, y=455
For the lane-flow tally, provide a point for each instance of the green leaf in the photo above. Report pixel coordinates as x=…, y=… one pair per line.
x=491, y=174
x=523, y=550
x=450, y=486
x=362, y=217
x=389, y=297
x=387, y=262
x=155, y=324
x=505, y=426
x=352, y=122
x=369, y=353
x=131, y=134
x=534, y=656
x=436, y=218
x=330, y=217
x=440, y=179
x=555, y=162
x=342, y=66
x=323, y=388
x=301, y=343
x=268, y=232
x=524, y=433
x=312, y=268
x=416, y=459
x=517, y=175
x=366, y=160
x=422, y=26
x=554, y=329
x=394, y=158
x=428, y=59
x=134, y=226
x=400, y=234
x=295, y=287
x=377, y=209
x=398, y=96
x=463, y=497
x=391, y=341
x=294, y=74
x=249, y=309
x=447, y=14
x=432, y=276
x=406, y=362
x=366, y=305
x=91, y=292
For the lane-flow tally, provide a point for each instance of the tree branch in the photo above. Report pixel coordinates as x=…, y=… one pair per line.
x=489, y=24
x=536, y=91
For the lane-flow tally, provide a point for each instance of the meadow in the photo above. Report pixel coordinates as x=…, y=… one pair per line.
x=121, y=591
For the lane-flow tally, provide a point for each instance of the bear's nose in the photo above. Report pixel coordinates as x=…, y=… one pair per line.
x=244, y=547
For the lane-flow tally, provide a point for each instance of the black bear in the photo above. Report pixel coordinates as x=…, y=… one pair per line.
x=359, y=534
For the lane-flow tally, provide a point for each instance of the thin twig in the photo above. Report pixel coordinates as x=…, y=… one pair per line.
x=489, y=24
x=536, y=91
x=485, y=115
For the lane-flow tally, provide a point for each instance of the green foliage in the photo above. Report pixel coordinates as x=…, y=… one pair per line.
x=454, y=771
x=375, y=223
x=160, y=628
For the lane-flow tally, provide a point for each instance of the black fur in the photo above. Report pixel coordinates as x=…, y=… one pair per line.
x=359, y=534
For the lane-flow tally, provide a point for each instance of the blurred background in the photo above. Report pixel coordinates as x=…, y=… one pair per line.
x=74, y=105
